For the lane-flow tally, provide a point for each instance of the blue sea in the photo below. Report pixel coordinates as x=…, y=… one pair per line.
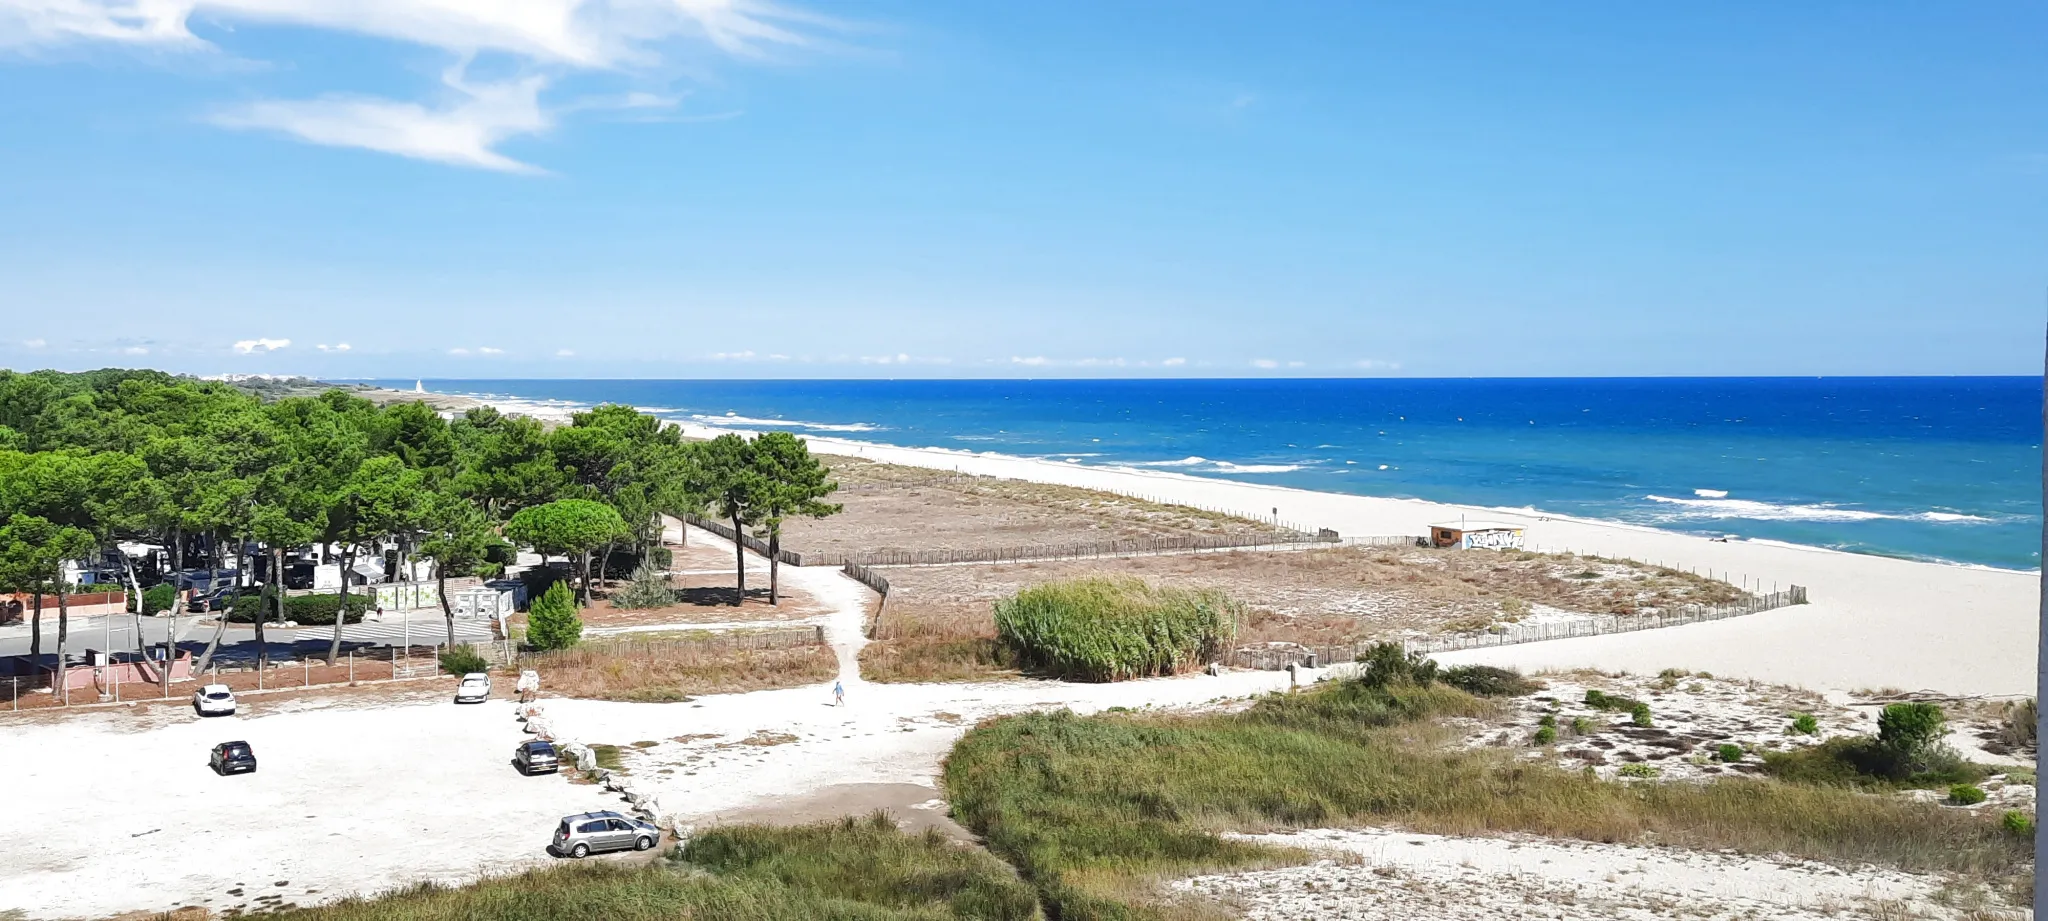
x=1944, y=469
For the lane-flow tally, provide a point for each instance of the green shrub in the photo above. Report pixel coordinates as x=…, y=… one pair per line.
x=1100, y=629
x=1911, y=730
x=2020, y=776
x=315, y=610
x=159, y=597
x=1639, y=770
x=1595, y=698
x=462, y=660
x=1805, y=724
x=1488, y=681
x=2017, y=822
x=649, y=589
x=1547, y=719
x=1581, y=726
x=1386, y=665
x=1964, y=794
x=1640, y=715
x=552, y=622
x=1728, y=753
x=1862, y=761
x=1546, y=735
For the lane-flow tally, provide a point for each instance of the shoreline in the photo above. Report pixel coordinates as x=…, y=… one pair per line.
x=1874, y=621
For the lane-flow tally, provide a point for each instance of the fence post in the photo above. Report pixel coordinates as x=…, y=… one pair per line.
x=351, y=667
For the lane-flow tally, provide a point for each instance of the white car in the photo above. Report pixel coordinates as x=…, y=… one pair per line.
x=214, y=700
x=475, y=688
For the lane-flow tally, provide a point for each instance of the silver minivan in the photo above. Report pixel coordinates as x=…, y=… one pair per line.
x=596, y=832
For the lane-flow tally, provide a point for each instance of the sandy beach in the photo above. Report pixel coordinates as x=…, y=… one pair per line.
x=1874, y=622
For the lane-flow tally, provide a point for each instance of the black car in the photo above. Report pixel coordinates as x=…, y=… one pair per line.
x=232, y=758
x=537, y=757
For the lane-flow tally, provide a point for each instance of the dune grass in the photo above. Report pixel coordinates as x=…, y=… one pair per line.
x=1103, y=629
x=1095, y=811
x=666, y=673
x=859, y=869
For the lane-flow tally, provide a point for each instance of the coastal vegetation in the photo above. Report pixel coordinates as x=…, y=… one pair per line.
x=1097, y=811
x=854, y=868
x=94, y=460
x=1115, y=629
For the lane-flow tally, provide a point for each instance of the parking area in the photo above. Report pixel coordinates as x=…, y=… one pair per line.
x=110, y=813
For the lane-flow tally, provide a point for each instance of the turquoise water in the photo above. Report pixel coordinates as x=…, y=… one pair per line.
x=1927, y=468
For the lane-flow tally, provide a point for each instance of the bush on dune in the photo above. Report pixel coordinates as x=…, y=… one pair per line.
x=1095, y=810
x=1101, y=629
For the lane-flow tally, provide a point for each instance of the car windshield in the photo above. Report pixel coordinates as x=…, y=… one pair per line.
x=540, y=748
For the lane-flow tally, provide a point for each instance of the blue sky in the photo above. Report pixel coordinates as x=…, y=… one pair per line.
x=696, y=188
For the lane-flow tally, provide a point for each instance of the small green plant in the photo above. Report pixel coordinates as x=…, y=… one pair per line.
x=1640, y=715
x=1965, y=794
x=1386, y=665
x=1639, y=771
x=1513, y=609
x=552, y=622
x=1581, y=726
x=1101, y=629
x=649, y=589
x=1488, y=681
x=2017, y=822
x=1548, y=720
x=2021, y=776
x=462, y=660
x=607, y=757
x=159, y=597
x=2018, y=724
x=1546, y=735
x=1596, y=699
x=1728, y=753
x=1804, y=724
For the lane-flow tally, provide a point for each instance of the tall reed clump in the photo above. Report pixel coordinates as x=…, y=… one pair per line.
x=1102, y=629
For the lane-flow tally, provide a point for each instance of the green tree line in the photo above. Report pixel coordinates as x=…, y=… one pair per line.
x=91, y=460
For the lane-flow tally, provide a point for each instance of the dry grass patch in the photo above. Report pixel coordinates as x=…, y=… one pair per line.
x=674, y=672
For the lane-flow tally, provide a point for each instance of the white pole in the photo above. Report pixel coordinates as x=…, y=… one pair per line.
x=407, y=615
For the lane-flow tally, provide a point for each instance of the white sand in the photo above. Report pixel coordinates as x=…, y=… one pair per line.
x=1393, y=875
x=1874, y=621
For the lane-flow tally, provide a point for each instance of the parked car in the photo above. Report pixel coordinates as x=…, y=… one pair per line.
x=214, y=700
x=537, y=757
x=232, y=758
x=594, y=832
x=474, y=689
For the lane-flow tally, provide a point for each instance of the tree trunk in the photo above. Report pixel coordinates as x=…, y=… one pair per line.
x=604, y=563
x=35, y=629
x=141, y=645
x=177, y=596
x=739, y=552
x=348, y=560
x=447, y=610
x=585, y=561
x=63, y=633
x=262, y=643
x=774, y=567
x=219, y=630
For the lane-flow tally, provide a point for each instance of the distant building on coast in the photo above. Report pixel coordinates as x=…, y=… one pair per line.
x=1476, y=535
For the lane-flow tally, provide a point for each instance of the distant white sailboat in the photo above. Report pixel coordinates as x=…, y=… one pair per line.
x=419, y=386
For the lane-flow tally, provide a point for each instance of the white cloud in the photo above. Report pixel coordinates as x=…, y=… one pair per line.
x=462, y=132
x=1174, y=362
x=487, y=350
x=896, y=359
x=251, y=346
x=458, y=351
x=34, y=343
x=747, y=355
x=565, y=353
x=337, y=347
x=1374, y=364
x=135, y=350
x=1264, y=363
x=1033, y=361
x=1297, y=364
x=546, y=38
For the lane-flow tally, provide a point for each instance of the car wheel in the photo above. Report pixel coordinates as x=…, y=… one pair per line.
x=643, y=844
x=580, y=851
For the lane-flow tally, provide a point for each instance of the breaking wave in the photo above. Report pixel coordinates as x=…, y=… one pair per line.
x=1770, y=511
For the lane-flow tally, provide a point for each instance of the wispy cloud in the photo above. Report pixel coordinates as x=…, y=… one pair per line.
x=458, y=350
x=1264, y=363
x=34, y=343
x=487, y=350
x=135, y=350
x=252, y=346
x=1174, y=362
x=337, y=347
x=565, y=353
x=631, y=39
x=1374, y=364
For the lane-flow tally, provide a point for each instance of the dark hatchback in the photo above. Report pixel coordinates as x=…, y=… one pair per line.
x=232, y=758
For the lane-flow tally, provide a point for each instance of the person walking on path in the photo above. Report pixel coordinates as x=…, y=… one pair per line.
x=838, y=694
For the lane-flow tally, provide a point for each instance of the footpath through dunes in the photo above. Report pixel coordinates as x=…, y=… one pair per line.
x=1872, y=621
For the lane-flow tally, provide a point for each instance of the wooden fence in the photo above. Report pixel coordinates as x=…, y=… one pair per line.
x=1073, y=550
x=1271, y=658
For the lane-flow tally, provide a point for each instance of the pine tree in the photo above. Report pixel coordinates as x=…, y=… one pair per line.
x=552, y=622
